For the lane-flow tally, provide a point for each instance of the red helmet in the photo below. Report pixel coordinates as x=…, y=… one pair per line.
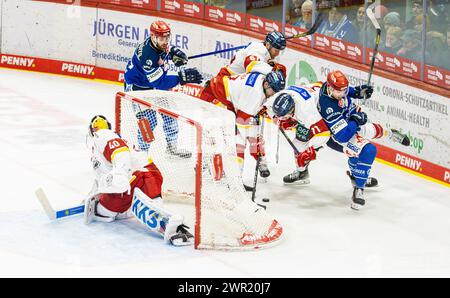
x=337, y=80
x=160, y=28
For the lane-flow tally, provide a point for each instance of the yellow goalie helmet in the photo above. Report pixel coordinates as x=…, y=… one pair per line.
x=98, y=122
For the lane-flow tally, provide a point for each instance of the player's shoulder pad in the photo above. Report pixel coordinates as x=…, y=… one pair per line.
x=328, y=107
x=103, y=136
x=147, y=55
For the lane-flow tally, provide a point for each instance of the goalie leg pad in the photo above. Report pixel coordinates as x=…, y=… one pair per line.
x=154, y=216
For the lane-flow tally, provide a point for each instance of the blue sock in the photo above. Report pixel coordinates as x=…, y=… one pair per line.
x=360, y=166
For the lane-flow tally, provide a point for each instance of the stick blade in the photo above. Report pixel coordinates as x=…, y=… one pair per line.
x=40, y=194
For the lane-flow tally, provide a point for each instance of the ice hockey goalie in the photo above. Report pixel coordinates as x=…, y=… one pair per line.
x=128, y=184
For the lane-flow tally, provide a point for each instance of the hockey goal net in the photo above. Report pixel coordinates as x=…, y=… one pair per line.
x=201, y=168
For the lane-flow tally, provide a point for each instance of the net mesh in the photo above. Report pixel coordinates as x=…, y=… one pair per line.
x=193, y=144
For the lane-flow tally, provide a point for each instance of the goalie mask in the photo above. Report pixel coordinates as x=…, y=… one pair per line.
x=98, y=122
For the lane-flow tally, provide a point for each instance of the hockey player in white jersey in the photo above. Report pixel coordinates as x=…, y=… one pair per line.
x=296, y=107
x=245, y=96
x=258, y=57
x=128, y=184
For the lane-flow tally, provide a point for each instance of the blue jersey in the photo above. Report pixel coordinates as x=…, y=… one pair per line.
x=148, y=68
x=337, y=113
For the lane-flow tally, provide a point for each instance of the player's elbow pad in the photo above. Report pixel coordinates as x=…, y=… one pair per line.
x=347, y=133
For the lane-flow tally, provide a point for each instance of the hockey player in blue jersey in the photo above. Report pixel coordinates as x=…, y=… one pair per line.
x=351, y=130
x=148, y=69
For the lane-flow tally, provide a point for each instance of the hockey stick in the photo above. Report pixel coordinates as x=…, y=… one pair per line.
x=373, y=19
x=216, y=52
x=258, y=161
x=311, y=31
x=277, y=155
x=292, y=144
x=51, y=213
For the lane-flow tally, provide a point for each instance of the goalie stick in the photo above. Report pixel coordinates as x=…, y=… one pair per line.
x=57, y=214
x=311, y=31
x=51, y=213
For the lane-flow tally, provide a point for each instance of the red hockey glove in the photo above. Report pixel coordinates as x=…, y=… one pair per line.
x=287, y=124
x=304, y=158
x=281, y=68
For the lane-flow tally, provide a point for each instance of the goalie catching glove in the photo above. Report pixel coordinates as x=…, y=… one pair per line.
x=190, y=75
x=305, y=157
x=178, y=57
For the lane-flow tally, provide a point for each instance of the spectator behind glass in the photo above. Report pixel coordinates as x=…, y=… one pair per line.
x=439, y=15
x=358, y=23
x=306, y=21
x=295, y=12
x=418, y=24
x=417, y=9
x=393, y=42
x=436, y=49
x=338, y=26
x=411, y=45
x=392, y=19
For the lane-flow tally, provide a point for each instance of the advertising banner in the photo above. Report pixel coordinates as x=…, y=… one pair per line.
x=145, y=4
x=422, y=115
x=338, y=47
x=225, y=16
x=185, y=8
x=29, y=30
x=261, y=25
x=291, y=31
x=395, y=64
x=437, y=76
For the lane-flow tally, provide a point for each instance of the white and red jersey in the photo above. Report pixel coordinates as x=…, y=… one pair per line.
x=305, y=111
x=109, y=151
x=246, y=94
x=252, y=58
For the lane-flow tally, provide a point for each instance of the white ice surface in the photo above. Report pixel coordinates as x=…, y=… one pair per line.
x=402, y=231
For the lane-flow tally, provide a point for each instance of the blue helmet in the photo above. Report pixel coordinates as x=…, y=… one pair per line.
x=276, y=40
x=276, y=80
x=283, y=104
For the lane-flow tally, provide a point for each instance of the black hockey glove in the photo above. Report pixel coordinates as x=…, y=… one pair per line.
x=178, y=57
x=190, y=75
x=362, y=90
x=359, y=117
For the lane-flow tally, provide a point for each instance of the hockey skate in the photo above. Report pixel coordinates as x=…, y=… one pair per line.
x=297, y=178
x=263, y=169
x=172, y=149
x=357, y=198
x=182, y=237
x=371, y=181
x=398, y=137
